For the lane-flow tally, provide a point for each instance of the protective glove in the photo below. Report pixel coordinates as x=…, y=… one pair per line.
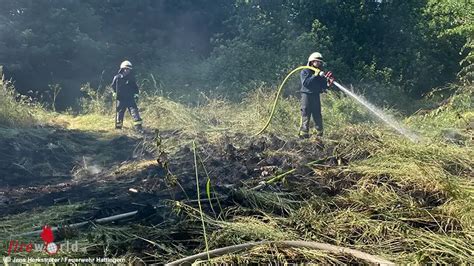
x=329, y=77
x=135, y=97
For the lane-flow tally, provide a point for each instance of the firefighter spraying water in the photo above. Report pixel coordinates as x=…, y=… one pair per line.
x=315, y=81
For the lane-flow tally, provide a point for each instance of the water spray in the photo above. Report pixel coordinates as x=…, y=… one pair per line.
x=384, y=117
x=379, y=113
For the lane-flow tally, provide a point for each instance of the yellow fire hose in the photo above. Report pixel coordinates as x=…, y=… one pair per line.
x=338, y=250
x=280, y=88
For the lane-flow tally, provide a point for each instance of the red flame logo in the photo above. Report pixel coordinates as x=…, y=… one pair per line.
x=47, y=234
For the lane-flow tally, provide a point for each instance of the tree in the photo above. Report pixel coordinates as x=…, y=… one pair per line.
x=452, y=19
x=49, y=41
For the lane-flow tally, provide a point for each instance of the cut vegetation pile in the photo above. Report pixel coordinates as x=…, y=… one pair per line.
x=363, y=188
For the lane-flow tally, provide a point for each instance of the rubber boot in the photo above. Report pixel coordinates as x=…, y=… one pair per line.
x=303, y=135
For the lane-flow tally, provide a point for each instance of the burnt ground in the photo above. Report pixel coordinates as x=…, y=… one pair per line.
x=48, y=166
x=94, y=175
x=99, y=175
x=40, y=167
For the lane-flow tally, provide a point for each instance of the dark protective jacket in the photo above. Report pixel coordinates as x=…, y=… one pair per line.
x=311, y=83
x=125, y=87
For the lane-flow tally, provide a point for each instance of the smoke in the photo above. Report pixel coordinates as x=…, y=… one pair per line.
x=159, y=37
x=86, y=168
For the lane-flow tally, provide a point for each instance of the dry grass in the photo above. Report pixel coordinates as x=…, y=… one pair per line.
x=407, y=202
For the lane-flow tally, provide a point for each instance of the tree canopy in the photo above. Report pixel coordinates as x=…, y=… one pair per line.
x=415, y=45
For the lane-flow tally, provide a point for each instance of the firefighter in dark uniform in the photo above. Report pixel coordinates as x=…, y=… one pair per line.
x=313, y=83
x=125, y=89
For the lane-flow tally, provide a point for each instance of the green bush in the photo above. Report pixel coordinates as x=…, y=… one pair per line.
x=95, y=100
x=15, y=110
